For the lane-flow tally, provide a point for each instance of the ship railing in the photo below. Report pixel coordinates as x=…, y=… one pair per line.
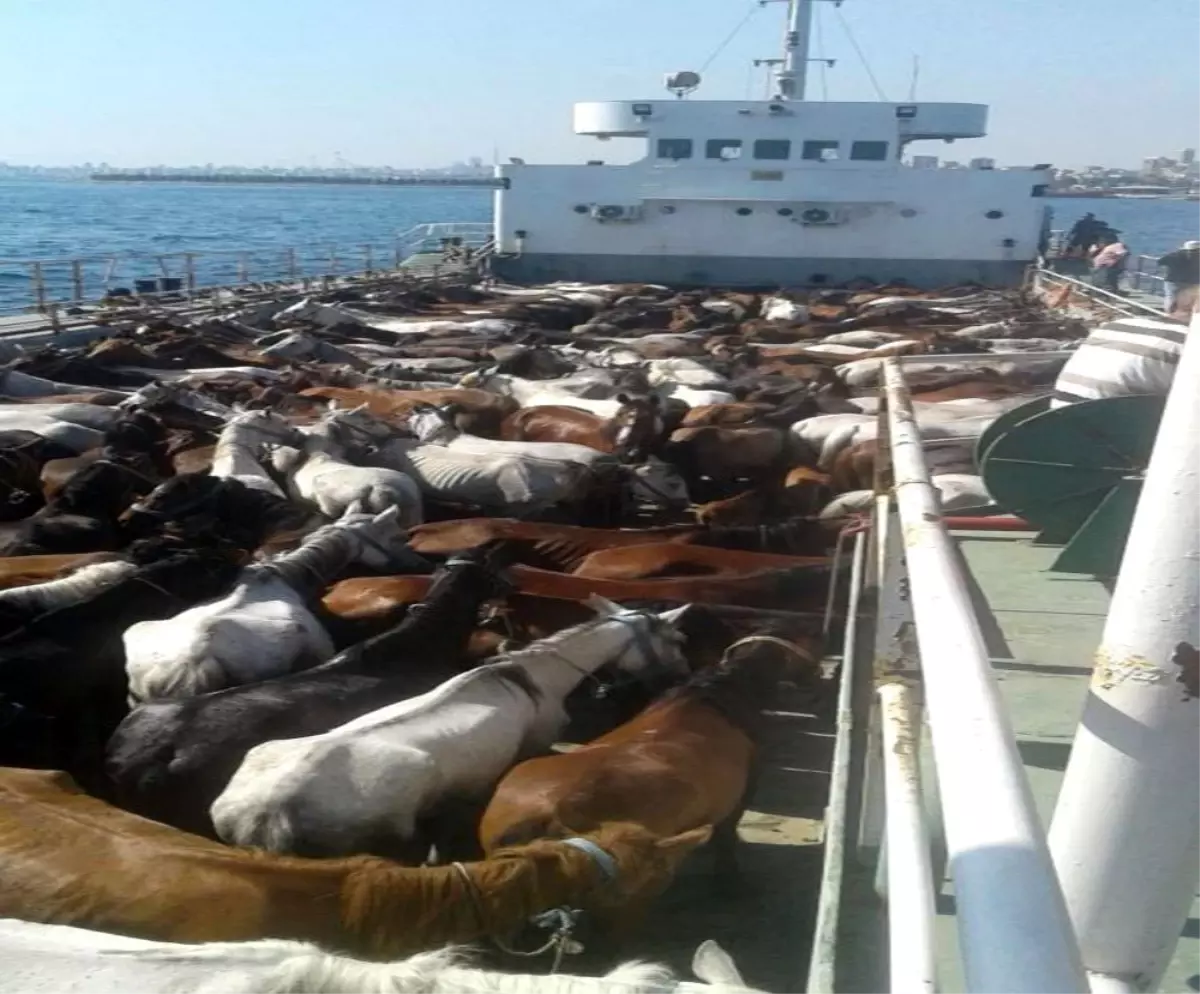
x=54, y=286
x=1141, y=275
x=926, y=675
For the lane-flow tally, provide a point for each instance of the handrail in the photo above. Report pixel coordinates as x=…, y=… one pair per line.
x=1014, y=932
x=66, y=282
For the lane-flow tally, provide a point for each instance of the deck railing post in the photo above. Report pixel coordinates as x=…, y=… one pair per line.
x=39, y=286
x=77, y=280
x=189, y=272
x=368, y=260
x=1125, y=835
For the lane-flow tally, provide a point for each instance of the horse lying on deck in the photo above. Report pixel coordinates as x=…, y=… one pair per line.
x=367, y=785
x=686, y=761
x=58, y=959
x=70, y=859
x=169, y=760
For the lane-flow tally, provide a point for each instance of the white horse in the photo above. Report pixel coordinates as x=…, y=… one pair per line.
x=652, y=481
x=364, y=785
x=323, y=476
x=238, y=448
x=59, y=959
x=263, y=627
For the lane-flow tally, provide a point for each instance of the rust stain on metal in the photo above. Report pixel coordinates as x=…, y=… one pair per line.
x=1187, y=657
x=1111, y=670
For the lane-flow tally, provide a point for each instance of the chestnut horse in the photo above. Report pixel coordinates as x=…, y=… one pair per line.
x=686, y=761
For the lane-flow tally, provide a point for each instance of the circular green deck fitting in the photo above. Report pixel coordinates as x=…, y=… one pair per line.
x=1054, y=469
x=1005, y=422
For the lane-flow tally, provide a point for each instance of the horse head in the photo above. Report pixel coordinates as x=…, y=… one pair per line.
x=655, y=643
x=658, y=483
x=432, y=424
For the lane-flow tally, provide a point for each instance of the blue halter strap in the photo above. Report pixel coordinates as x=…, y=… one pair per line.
x=608, y=865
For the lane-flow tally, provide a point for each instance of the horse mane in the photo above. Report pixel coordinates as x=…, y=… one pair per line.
x=448, y=969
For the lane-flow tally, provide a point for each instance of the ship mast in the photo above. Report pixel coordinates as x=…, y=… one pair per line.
x=793, y=71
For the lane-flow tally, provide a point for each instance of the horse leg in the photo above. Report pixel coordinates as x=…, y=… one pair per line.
x=727, y=873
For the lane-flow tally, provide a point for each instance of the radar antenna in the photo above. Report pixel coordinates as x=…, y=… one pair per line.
x=682, y=83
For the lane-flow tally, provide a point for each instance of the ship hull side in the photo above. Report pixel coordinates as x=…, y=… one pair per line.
x=717, y=270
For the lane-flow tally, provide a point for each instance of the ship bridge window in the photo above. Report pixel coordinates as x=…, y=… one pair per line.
x=821, y=151
x=869, y=151
x=723, y=148
x=674, y=148
x=772, y=148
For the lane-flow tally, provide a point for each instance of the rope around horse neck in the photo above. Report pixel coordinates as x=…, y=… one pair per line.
x=560, y=938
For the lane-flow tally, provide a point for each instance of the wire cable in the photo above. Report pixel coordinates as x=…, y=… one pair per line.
x=729, y=37
x=859, y=52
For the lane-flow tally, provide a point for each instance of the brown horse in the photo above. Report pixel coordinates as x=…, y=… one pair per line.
x=563, y=547
x=633, y=430
x=70, y=859
x=686, y=761
x=479, y=412
x=667, y=559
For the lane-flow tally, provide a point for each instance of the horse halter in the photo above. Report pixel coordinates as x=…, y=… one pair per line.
x=770, y=640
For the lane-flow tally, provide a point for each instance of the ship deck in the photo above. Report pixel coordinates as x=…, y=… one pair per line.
x=1042, y=630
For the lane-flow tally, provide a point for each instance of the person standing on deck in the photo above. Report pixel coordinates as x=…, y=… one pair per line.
x=1183, y=278
x=1083, y=234
x=1108, y=263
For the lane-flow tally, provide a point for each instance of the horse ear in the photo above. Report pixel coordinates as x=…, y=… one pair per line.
x=654, y=400
x=603, y=606
x=331, y=405
x=675, y=615
x=623, y=398
x=388, y=515
x=714, y=965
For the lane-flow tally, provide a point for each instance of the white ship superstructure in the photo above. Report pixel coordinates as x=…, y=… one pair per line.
x=774, y=192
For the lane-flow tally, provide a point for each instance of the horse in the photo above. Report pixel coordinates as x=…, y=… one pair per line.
x=67, y=858
x=672, y=559
x=69, y=665
x=632, y=432
x=320, y=474
x=262, y=627
x=563, y=547
x=58, y=959
x=169, y=760
x=686, y=761
x=366, y=785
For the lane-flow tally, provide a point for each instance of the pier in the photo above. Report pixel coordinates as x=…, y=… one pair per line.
x=485, y=182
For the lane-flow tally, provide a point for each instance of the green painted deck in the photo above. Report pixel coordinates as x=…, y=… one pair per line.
x=1042, y=630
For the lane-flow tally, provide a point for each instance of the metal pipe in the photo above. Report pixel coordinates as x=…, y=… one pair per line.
x=1124, y=835
x=1013, y=928
x=988, y=523
x=910, y=881
x=823, y=961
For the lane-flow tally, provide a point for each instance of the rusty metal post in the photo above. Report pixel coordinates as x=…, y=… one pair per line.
x=39, y=286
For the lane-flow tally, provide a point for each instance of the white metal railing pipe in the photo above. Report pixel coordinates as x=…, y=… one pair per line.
x=1014, y=932
x=1124, y=833
x=822, y=968
x=910, y=881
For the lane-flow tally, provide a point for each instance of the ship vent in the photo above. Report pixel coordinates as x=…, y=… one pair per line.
x=617, y=212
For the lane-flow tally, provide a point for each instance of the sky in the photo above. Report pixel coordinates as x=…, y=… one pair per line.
x=408, y=83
